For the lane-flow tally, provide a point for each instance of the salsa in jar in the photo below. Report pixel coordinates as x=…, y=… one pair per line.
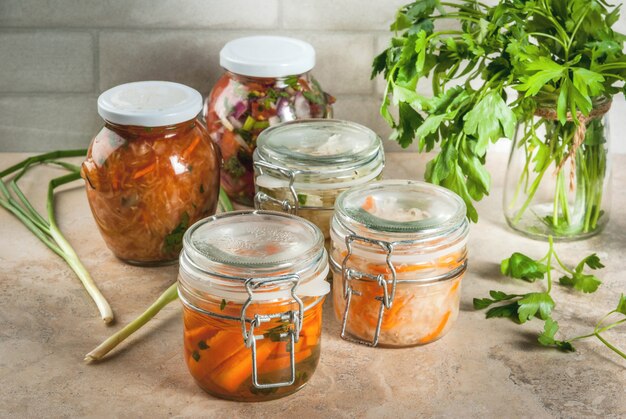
x=267, y=81
x=252, y=284
x=152, y=170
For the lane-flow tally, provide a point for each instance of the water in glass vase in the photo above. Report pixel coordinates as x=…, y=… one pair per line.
x=558, y=176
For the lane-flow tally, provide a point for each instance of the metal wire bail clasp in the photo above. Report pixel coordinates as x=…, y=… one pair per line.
x=348, y=274
x=261, y=198
x=293, y=319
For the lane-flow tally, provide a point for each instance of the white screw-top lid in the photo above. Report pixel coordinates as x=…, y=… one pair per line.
x=267, y=56
x=149, y=104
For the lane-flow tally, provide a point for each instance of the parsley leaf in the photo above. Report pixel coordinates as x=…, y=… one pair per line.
x=491, y=119
x=535, y=304
x=592, y=261
x=546, y=338
x=521, y=266
x=581, y=282
x=174, y=241
x=621, y=305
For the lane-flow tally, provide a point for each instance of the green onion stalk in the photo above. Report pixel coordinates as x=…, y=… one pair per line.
x=46, y=229
x=168, y=296
x=574, y=208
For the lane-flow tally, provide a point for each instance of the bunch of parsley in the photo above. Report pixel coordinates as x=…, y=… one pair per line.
x=561, y=51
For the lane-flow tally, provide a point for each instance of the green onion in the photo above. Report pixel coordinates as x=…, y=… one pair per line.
x=47, y=230
x=105, y=347
x=224, y=202
x=248, y=124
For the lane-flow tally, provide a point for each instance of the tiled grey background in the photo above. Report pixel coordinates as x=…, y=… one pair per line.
x=57, y=56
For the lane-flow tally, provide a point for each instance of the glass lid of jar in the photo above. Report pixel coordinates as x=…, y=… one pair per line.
x=401, y=207
x=221, y=253
x=255, y=240
x=318, y=144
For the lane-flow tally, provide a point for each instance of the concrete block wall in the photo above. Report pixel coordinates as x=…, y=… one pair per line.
x=57, y=56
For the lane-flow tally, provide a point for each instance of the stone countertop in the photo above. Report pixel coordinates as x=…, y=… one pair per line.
x=482, y=368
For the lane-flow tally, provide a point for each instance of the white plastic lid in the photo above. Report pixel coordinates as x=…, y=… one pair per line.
x=267, y=56
x=149, y=104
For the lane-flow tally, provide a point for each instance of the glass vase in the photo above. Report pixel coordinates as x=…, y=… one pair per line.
x=558, y=176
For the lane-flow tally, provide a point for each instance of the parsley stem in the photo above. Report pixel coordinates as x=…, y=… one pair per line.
x=531, y=194
x=611, y=347
x=549, y=263
x=580, y=21
x=449, y=4
x=565, y=268
x=545, y=35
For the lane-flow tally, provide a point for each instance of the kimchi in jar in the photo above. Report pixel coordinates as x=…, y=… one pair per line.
x=398, y=256
x=152, y=171
x=252, y=284
x=267, y=81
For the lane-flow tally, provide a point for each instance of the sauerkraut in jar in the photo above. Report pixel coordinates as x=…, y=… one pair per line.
x=152, y=171
x=267, y=81
x=398, y=255
x=302, y=166
x=252, y=286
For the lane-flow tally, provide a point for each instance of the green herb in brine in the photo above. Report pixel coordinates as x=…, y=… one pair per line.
x=234, y=167
x=174, y=240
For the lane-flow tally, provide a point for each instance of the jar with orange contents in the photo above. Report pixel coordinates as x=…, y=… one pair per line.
x=252, y=284
x=398, y=255
x=152, y=171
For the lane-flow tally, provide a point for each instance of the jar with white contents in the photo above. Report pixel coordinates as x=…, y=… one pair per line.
x=302, y=166
x=398, y=255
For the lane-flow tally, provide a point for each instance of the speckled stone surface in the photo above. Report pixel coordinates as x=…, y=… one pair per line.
x=482, y=368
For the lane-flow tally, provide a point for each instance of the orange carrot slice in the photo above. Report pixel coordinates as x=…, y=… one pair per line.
x=236, y=370
x=454, y=287
x=142, y=172
x=284, y=362
x=187, y=152
x=228, y=145
x=369, y=204
x=194, y=336
x=384, y=269
x=435, y=333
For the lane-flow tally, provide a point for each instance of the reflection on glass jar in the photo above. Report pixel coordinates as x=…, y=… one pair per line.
x=267, y=81
x=398, y=255
x=252, y=286
x=151, y=171
x=302, y=166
